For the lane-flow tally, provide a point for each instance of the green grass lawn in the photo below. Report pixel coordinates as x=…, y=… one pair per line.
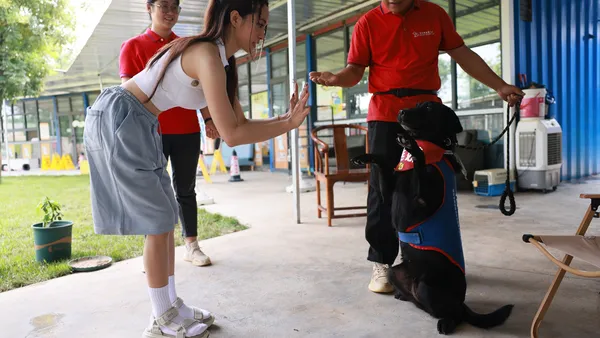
x=19, y=197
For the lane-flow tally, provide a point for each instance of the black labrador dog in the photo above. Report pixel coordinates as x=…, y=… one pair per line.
x=425, y=215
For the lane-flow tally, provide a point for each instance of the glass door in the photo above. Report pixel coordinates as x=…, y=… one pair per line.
x=71, y=135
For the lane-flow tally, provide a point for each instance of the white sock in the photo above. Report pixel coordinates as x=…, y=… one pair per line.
x=160, y=300
x=184, y=310
x=161, y=303
x=172, y=291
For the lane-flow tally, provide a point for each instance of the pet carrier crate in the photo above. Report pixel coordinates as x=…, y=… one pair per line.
x=491, y=182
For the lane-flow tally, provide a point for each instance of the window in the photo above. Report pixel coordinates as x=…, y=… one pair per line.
x=479, y=26
x=279, y=98
x=445, y=72
x=358, y=97
x=331, y=57
x=20, y=136
x=92, y=97
x=441, y=3
x=244, y=89
x=242, y=73
x=64, y=105
x=279, y=63
x=244, y=97
x=258, y=71
x=330, y=51
x=46, y=113
x=300, y=62
x=474, y=94
x=77, y=104
x=31, y=114
x=19, y=121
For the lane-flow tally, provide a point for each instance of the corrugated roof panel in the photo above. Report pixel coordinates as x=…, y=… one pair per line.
x=127, y=18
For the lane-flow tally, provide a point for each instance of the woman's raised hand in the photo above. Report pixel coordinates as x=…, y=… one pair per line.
x=298, y=108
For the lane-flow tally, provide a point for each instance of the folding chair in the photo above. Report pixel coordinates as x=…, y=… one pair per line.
x=583, y=247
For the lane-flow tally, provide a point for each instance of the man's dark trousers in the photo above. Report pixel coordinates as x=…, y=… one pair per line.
x=184, y=151
x=379, y=230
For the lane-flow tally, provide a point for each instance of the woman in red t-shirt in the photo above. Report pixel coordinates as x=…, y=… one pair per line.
x=179, y=127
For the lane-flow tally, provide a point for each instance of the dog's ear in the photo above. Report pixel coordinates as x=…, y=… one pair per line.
x=400, y=115
x=452, y=121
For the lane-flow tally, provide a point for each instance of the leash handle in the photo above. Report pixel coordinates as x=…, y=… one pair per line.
x=507, y=191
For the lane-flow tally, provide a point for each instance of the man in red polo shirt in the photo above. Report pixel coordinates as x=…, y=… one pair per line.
x=399, y=41
x=179, y=127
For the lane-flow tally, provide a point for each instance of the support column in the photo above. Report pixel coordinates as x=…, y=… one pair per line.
x=453, y=66
x=270, y=105
x=57, y=126
x=507, y=38
x=291, y=11
x=311, y=66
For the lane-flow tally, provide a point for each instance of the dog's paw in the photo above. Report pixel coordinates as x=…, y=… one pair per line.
x=446, y=326
x=400, y=296
x=362, y=159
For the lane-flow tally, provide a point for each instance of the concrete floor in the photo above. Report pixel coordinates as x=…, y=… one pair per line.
x=282, y=279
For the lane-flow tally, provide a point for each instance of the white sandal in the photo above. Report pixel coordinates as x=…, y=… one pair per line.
x=166, y=321
x=198, y=315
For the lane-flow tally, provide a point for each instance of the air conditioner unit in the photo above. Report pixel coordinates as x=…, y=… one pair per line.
x=538, y=153
x=491, y=182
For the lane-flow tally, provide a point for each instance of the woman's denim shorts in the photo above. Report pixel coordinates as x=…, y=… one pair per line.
x=130, y=188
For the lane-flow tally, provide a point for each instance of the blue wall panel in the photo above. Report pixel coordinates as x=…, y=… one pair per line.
x=560, y=48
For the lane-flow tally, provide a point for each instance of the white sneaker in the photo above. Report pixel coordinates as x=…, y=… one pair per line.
x=379, y=281
x=194, y=255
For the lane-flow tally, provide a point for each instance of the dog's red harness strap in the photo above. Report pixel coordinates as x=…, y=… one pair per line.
x=420, y=247
x=433, y=154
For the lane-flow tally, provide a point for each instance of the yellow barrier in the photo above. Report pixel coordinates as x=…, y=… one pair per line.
x=56, y=164
x=67, y=162
x=204, y=169
x=84, y=167
x=46, y=162
x=218, y=160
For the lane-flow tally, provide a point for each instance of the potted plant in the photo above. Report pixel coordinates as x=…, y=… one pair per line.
x=52, y=237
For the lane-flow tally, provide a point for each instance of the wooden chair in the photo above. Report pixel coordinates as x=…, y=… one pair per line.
x=585, y=248
x=343, y=171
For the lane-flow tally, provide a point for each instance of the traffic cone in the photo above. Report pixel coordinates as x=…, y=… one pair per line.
x=46, y=162
x=235, y=168
x=56, y=163
x=67, y=162
x=84, y=167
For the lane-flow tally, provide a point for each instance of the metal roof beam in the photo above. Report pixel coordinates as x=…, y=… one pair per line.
x=478, y=8
x=324, y=19
x=481, y=32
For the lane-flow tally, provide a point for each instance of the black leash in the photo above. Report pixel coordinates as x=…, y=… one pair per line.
x=507, y=191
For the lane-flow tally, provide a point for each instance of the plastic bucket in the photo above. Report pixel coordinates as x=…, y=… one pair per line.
x=533, y=104
x=52, y=243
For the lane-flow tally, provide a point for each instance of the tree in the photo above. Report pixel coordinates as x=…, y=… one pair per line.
x=33, y=34
x=476, y=88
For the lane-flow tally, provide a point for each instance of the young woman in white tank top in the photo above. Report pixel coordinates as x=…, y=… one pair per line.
x=130, y=188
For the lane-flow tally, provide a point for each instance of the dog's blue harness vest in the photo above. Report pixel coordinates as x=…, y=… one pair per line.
x=440, y=232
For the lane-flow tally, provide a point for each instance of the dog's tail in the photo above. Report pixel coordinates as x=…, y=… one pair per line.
x=486, y=321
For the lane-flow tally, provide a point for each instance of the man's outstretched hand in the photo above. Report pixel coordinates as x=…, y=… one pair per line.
x=510, y=93
x=324, y=78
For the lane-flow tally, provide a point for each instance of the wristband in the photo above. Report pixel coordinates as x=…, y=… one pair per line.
x=207, y=119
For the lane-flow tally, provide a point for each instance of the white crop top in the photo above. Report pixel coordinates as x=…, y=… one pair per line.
x=177, y=89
